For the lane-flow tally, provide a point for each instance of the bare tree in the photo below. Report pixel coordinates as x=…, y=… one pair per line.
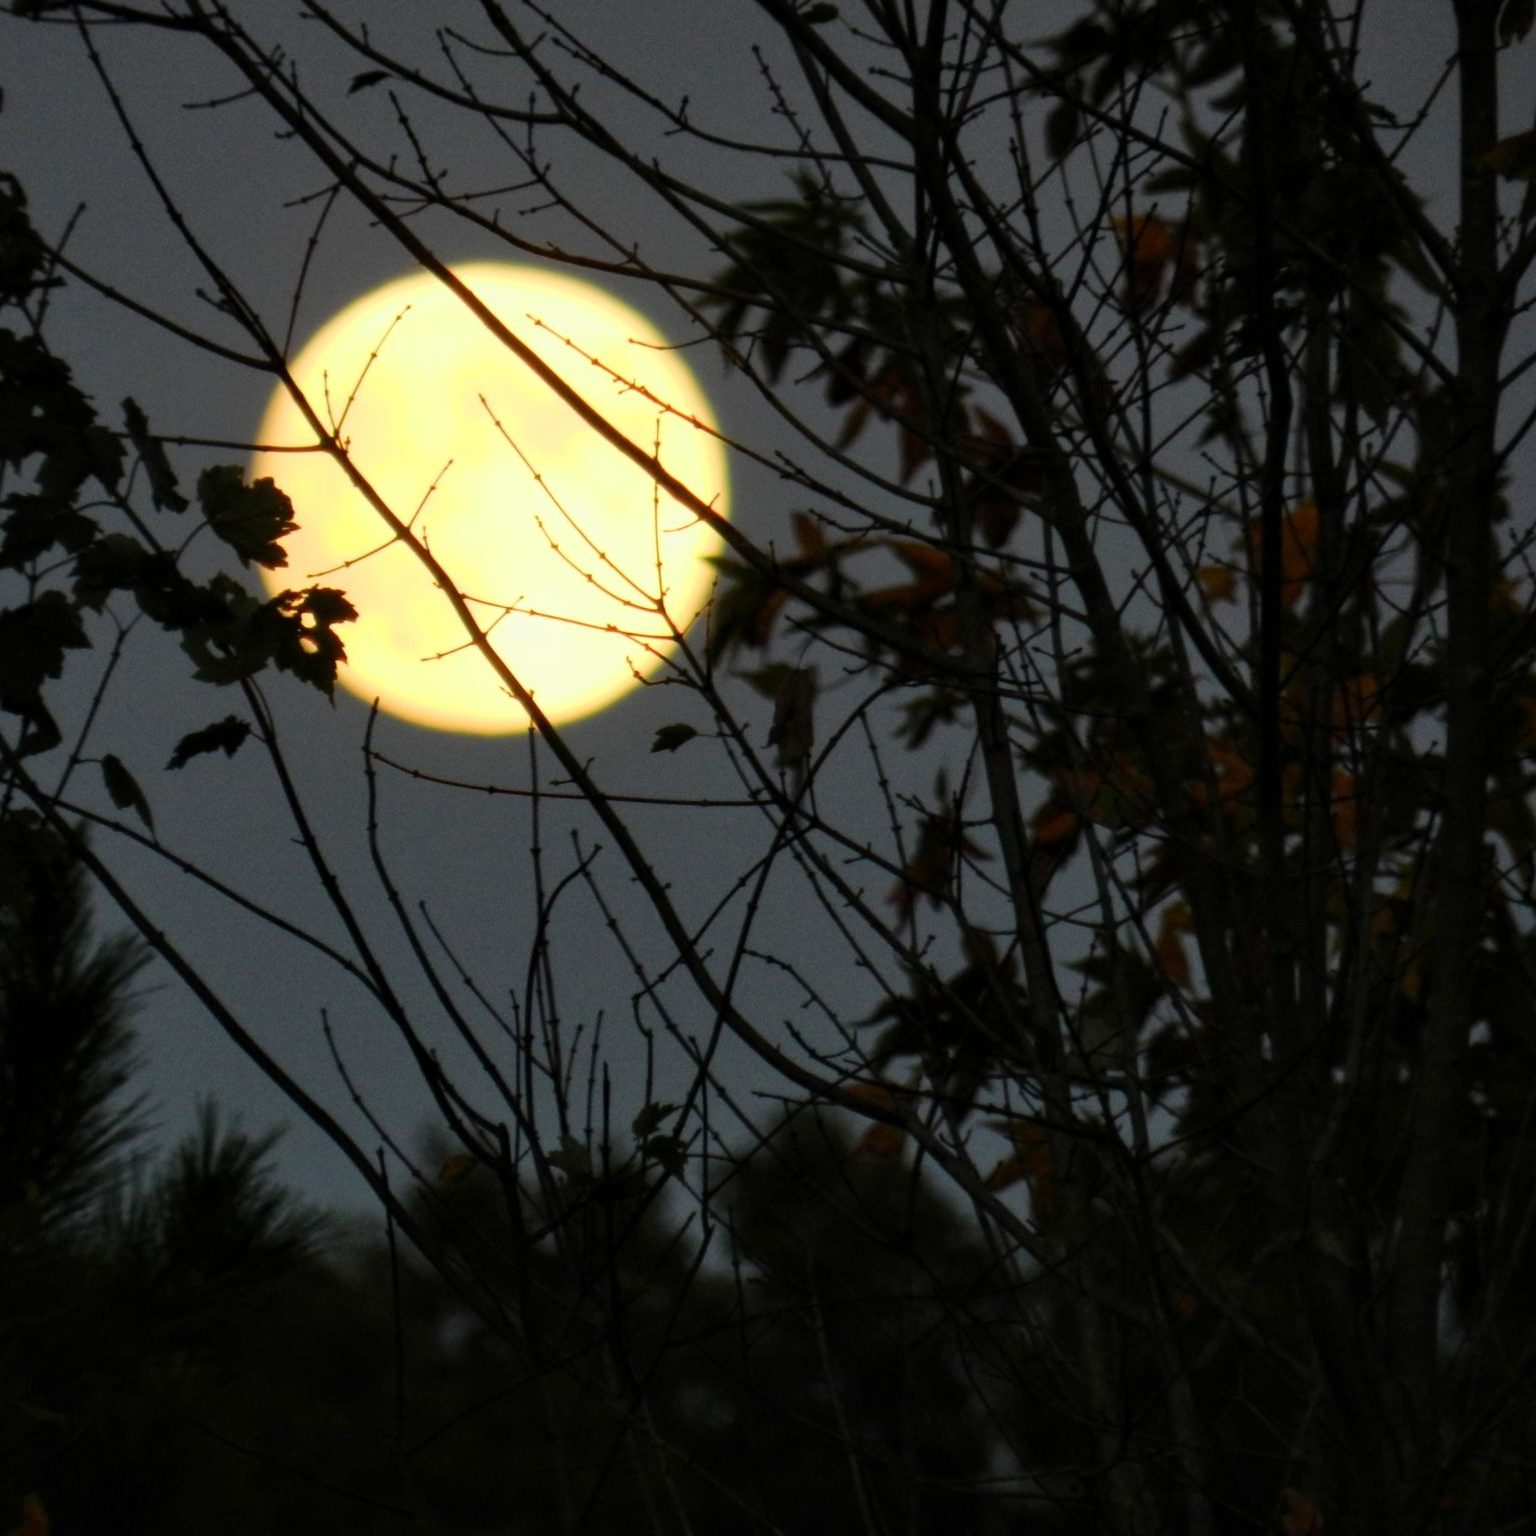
x=1148, y=649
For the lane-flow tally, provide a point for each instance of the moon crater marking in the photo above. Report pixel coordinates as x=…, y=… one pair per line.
x=560, y=554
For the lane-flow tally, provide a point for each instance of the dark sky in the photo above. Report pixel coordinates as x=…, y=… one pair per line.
x=465, y=853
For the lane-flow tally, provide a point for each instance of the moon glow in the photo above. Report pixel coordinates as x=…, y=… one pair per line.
x=565, y=549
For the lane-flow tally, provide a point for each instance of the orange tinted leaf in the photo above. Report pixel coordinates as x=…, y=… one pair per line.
x=793, y=730
x=882, y=1141
x=810, y=536
x=34, y=1518
x=1056, y=825
x=878, y=1094
x=1346, y=808
x=1169, y=951
x=1355, y=703
x=767, y=612
x=939, y=628
x=1040, y=332
x=925, y=562
x=1031, y=1160
x=1218, y=583
x=941, y=845
x=1298, y=550
x=1150, y=245
x=1527, y=707
x=1300, y=1515
x=1147, y=239
x=455, y=1169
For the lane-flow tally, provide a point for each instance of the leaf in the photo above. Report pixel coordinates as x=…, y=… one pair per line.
x=745, y=608
x=163, y=489
x=367, y=78
x=1217, y=583
x=34, y=524
x=307, y=644
x=1298, y=550
x=651, y=1117
x=33, y=639
x=456, y=1169
x=1061, y=125
x=1031, y=1160
x=934, y=866
x=573, y=1158
x=124, y=789
x=116, y=562
x=670, y=737
x=34, y=1518
x=249, y=518
x=671, y=1152
x=1513, y=158
x=226, y=736
x=1345, y=808
x=1515, y=20
x=1152, y=248
x=793, y=730
x=1169, y=953
x=1300, y=1515
x=810, y=537
x=815, y=15
x=881, y=1139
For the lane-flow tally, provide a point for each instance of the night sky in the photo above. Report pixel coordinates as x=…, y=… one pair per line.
x=464, y=853
x=251, y=196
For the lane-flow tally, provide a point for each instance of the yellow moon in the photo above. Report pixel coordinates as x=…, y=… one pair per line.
x=571, y=559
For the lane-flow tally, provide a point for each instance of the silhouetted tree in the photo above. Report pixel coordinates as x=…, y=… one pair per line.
x=1144, y=656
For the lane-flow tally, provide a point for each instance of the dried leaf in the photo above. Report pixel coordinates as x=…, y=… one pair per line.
x=670, y=737
x=124, y=789
x=1169, y=953
x=455, y=1170
x=1218, y=583
x=793, y=730
x=810, y=537
x=227, y=736
x=1513, y=158
x=1300, y=1515
x=1515, y=20
x=1031, y=1161
x=34, y=1518
x=1298, y=550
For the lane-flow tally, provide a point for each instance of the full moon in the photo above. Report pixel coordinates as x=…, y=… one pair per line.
x=571, y=559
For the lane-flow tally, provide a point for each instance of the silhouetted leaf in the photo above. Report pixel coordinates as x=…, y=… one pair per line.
x=669, y=1151
x=227, y=736
x=367, y=78
x=670, y=737
x=124, y=789
x=35, y=524
x=163, y=490
x=1061, y=124
x=116, y=562
x=33, y=639
x=793, y=731
x=651, y=1117
x=1515, y=20
x=572, y=1158
x=249, y=518
x=1514, y=158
